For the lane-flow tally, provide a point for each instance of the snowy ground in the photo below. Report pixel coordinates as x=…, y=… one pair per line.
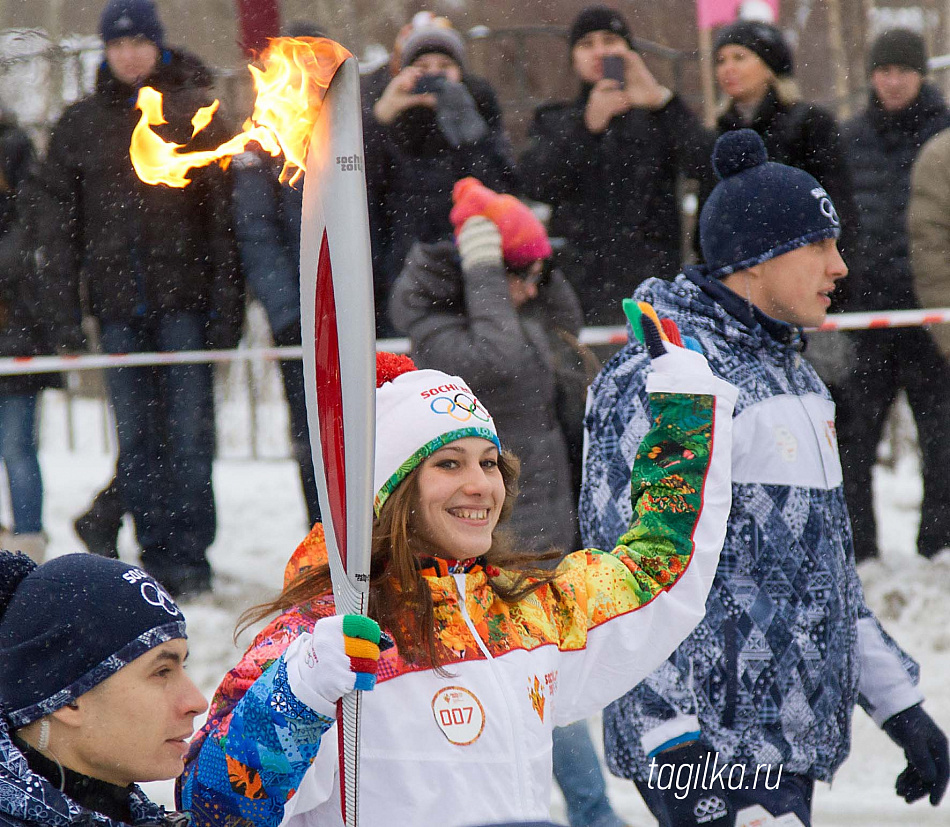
x=261, y=519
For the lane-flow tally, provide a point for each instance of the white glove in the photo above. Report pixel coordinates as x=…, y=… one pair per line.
x=479, y=242
x=325, y=665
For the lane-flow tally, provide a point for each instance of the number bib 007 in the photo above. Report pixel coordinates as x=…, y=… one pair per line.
x=459, y=714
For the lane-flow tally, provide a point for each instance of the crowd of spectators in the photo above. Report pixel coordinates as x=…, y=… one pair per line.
x=462, y=266
x=166, y=269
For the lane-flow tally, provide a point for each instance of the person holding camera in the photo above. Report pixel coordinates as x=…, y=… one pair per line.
x=433, y=124
x=608, y=162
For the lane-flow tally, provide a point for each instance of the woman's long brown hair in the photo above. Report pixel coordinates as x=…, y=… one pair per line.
x=400, y=599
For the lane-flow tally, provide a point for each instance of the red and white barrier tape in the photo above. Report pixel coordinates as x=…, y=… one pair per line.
x=14, y=365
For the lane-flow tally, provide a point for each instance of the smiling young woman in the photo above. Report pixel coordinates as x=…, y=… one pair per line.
x=491, y=653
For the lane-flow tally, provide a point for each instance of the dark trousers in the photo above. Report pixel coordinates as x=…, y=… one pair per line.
x=793, y=794
x=887, y=362
x=165, y=424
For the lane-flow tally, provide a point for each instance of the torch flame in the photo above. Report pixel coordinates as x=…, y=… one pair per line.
x=290, y=90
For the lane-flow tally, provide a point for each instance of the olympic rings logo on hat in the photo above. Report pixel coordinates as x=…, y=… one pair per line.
x=461, y=408
x=825, y=206
x=155, y=595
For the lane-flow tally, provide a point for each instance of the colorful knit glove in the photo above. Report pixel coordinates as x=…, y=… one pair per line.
x=479, y=242
x=339, y=656
x=653, y=332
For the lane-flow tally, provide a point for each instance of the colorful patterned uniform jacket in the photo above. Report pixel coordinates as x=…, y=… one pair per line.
x=788, y=645
x=474, y=745
x=27, y=799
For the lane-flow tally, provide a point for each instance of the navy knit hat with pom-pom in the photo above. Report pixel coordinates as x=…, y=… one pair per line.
x=759, y=209
x=70, y=624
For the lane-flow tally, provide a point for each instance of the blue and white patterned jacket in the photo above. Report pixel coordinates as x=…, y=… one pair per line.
x=788, y=645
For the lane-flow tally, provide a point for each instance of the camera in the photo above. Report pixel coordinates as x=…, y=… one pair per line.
x=429, y=83
x=614, y=68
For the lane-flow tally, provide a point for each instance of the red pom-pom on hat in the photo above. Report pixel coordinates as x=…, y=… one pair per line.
x=391, y=365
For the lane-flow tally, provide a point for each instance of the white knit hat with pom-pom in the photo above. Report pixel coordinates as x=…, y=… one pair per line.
x=417, y=412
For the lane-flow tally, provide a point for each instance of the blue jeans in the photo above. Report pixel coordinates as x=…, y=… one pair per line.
x=578, y=773
x=18, y=452
x=165, y=423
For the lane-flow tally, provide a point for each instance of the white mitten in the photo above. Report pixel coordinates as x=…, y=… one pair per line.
x=479, y=242
x=339, y=656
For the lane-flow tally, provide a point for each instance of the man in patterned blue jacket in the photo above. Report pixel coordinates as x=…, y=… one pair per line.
x=767, y=682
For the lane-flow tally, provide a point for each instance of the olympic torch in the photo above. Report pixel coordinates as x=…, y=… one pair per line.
x=307, y=109
x=339, y=358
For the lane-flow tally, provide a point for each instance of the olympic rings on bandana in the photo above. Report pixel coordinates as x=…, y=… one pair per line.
x=462, y=408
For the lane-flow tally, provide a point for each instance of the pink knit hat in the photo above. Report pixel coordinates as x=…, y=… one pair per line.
x=523, y=238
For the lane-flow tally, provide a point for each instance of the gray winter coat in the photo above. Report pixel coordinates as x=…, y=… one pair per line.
x=465, y=324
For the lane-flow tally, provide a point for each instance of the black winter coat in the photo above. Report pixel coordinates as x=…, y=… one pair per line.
x=142, y=250
x=614, y=194
x=806, y=136
x=22, y=326
x=411, y=169
x=881, y=149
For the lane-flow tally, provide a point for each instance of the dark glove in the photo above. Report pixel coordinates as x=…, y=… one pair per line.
x=458, y=117
x=223, y=333
x=925, y=747
x=698, y=795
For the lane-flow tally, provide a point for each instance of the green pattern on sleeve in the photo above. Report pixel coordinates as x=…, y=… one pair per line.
x=666, y=492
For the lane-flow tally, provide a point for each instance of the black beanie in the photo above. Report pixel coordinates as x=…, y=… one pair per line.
x=71, y=623
x=131, y=18
x=596, y=19
x=759, y=209
x=763, y=39
x=899, y=47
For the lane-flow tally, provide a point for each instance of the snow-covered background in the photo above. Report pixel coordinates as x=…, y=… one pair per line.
x=261, y=519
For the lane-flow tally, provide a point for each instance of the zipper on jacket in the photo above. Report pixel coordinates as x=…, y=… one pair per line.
x=460, y=583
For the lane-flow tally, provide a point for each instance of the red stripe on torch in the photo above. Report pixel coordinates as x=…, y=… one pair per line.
x=326, y=350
